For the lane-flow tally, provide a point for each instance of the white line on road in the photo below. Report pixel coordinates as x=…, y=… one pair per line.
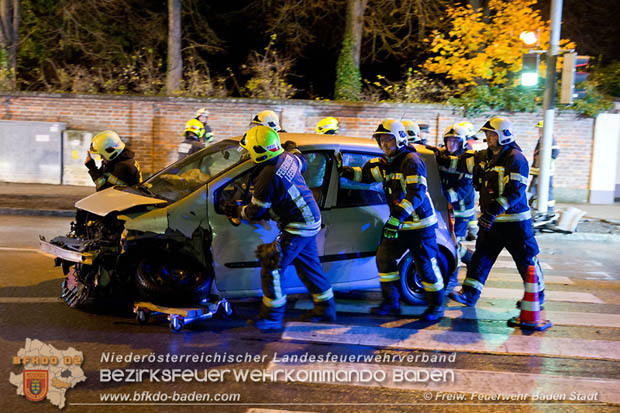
x=457, y=311
x=511, y=276
x=568, y=296
x=440, y=340
x=28, y=300
x=38, y=251
x=470, y=382
x=509, y=263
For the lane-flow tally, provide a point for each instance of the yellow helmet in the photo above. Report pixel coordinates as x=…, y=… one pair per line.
x=327, y=126
x=202, y=112
x=107, y=144
x=502, y=127
x=262, y=142
x=540, y=124
x=413, y=131
x=196, y=127
x=469, y=128
x=267, y=118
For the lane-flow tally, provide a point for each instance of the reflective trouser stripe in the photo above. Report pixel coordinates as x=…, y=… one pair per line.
x=324, y=296
x=530, y=306
x=277, y=288
x=389, y=276
x=278, y=302
x=522, y=216
x=438, y=285
x=473, y=283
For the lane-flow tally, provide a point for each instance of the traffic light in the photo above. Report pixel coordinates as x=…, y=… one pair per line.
x=573, y=72
x=529, y=72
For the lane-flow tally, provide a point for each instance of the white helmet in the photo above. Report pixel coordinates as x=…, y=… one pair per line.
x=267, y=118
x=503, y=128
x=413, y=131
x=458, y=131
x=202, y=112
x=107, y=144
x=471, y=132
x=394, y=128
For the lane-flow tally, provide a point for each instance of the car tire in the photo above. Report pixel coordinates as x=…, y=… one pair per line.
x=412, y=290
x=170, y=280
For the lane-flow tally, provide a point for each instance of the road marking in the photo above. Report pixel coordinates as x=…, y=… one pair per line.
x=569, y=296
x=38, y=251
x=511, y=276
x=470, y=382
x=276, y=410
x=511, y=264
x=440, y=340
x=28, y=300
x=495, y=313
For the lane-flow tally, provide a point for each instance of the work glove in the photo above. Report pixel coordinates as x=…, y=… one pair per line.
x=486, y=221
x=231, y=209
x=339, y=162
x=391, y=227
x=289, y=146
x=89, y=161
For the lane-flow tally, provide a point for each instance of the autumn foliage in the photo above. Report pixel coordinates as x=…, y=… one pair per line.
x=475, y=51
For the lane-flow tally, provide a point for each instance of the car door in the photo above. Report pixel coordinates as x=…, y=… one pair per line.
x=237, y=271
x=354, y=215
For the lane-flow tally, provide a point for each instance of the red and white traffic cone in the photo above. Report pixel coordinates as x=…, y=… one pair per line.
x=529, y=318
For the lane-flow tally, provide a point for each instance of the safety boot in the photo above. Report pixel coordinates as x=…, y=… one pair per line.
x=465, y=296
x=323, y=311
x=269, y=318
x=436, y=302
x=391, y=297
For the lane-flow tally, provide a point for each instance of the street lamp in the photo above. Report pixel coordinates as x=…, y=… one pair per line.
x=529, y=38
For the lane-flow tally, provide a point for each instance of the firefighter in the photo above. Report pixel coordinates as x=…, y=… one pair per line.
x=202, y=115
x=500, y=175
x=457, y=186
x=535, y=170
x=194, y=132
x=327, y=126
x=470, y=144
x=412, y=221
x=280, y=190
x=267, y=118
x=118, y=164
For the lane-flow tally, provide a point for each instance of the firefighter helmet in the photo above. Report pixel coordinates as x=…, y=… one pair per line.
x=394, y=128
x=457, y=131
x=196, y=127
x=503, y=128
x=327, y=126
x=471, y=132
x=267, y=118
x=202, y=112
x=413, y=131
x=262, y=142
x=107, y=144
x=540, y=124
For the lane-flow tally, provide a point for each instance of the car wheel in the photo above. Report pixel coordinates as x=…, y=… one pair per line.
x=172, y=280
x=412, y=290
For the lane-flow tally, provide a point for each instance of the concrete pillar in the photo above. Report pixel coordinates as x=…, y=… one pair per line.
x=604, y=158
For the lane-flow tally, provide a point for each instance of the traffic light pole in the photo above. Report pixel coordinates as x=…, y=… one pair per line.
x=549, y=106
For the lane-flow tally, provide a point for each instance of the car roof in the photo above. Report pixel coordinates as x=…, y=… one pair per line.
x=316, y=141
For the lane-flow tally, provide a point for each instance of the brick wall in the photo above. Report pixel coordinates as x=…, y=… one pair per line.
x=153, y=126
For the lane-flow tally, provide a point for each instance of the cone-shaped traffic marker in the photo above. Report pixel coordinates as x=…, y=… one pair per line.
x=529, y=318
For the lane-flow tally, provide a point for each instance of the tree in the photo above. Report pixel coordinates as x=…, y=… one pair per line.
x=473, y=52
x=348, y=77
x=174, y=70
x=10, y=15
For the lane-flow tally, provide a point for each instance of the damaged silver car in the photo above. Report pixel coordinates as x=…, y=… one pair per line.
x=168, y=241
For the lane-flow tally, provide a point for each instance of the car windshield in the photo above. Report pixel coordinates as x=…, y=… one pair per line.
x=185, y=176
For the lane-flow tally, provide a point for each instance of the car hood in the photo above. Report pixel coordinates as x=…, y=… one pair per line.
x=114, y=200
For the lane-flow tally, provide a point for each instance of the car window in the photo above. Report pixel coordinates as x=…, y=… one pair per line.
x=185, y=176
x=355, y=194
x=238, y=189
x=316, y=175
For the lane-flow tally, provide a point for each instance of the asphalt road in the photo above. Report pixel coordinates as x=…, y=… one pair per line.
x=577, y=358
